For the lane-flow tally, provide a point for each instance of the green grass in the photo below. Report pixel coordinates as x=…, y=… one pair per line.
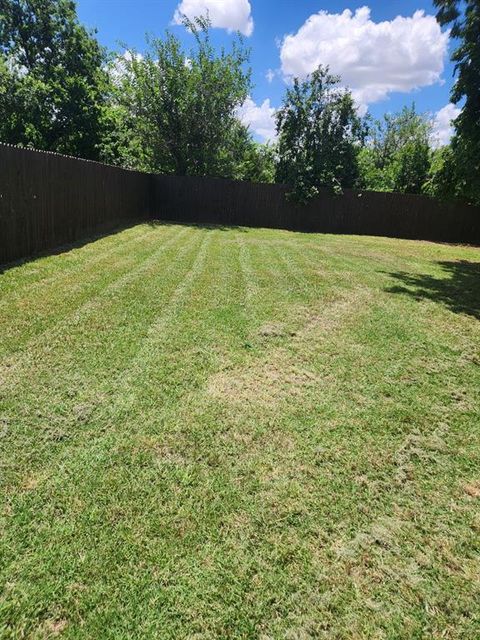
x=210, y=433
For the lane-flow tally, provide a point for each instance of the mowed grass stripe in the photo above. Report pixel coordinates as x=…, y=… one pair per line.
x=133, y=369
x=97, y=277
x=272, y=292
x=248, y=275
x=80, y=378
x=108, y=289
x=81, y=345
x=291, y=297
x=28, y=298
x=41, y=269
x=152, y=380
x=196, y=462
x=153, y=350
x=288, y=465
x=222, y=293
x=302, y=285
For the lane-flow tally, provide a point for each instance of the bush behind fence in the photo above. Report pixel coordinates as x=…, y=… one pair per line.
x=48, y=200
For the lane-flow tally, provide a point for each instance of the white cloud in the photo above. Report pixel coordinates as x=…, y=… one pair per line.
x=260, y=119
x=233, y=15
x=270, y=75
x=373, y=58
x=442, y=125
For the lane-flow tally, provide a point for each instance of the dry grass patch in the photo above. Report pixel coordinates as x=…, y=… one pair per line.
x=472, y=489
x=266, y=384
x=281, y=372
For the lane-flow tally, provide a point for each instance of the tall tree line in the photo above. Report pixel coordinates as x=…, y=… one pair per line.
x=174, y=110
x=459, y=173
x=53, y=84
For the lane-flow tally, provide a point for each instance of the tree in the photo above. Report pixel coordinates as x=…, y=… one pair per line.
x=318, y=134
x=257, y=163
x=123, y=143
x=461, y=169
x=396, y=155
x=181, y=106
x=52, y=81
x=440, y=177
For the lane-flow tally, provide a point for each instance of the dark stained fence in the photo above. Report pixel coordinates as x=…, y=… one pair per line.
x=47, y=200
x=227, y=202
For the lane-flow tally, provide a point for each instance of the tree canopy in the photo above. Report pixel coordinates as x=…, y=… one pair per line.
x=52, y=81
x=397, y=154
x=179, y=107
x=176, y=110
x=318, y=135
x=460, y=175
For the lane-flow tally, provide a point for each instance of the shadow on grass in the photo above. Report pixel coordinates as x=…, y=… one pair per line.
x=70, y=246
x=460, y=291
x=77, y=244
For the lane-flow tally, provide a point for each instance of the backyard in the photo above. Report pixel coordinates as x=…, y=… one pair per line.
x=213, y=432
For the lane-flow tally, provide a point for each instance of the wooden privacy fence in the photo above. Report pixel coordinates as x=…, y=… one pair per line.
x=48, y=200
x=228, y=202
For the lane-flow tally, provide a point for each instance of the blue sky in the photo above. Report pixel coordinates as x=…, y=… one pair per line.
x=388, y=52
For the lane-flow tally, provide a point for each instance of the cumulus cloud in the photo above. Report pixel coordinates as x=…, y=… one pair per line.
x=260, y=119
x=233, y=15
x=373, y=58
x=442, y=125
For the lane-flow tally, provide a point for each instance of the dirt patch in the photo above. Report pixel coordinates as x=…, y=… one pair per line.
x=273, y=330
x=163, y=453
x=53, y=628
x=31, y=483
x=472, y=489
x=416, y=446
x=382, y=534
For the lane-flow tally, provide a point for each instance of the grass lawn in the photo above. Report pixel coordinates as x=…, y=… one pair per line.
x=237, y=433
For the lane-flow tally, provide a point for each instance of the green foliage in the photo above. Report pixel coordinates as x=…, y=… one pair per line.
x=461, y=173
x=319, y=133
x=244, y=159
x=52, y=83
x=396, y=156
x=258, y=162
x=179, y=108
x=121, y=143
x=373, y=176
x=412, y=166
x=440, y=179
